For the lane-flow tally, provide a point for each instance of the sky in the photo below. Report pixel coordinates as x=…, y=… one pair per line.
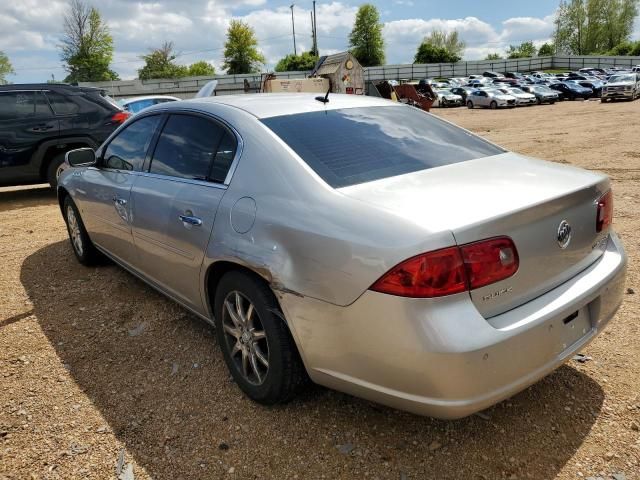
x=30, y=30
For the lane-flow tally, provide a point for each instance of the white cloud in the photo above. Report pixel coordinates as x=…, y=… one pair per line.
x=31, y=29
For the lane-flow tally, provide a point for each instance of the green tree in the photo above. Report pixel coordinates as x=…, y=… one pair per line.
x=451, y=42
x=584, y=27
x=86, y=46
x=201, y=69
x=365, y=40
x=546, y=50
x=297, y=63
x=5, y=67
x=494, y=56
x=524, y=50
x=626, y=48
x=159, y=63
x=428, y=53
x=241, y=53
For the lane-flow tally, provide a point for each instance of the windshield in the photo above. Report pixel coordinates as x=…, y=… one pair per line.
x=622, y=78
x=357, y=145
x=515, y=90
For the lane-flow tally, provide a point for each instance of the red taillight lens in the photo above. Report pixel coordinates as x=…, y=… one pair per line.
x=120, y=117
x=451, y=270
x=604, y=217
x=489, y=261
x=432, y=274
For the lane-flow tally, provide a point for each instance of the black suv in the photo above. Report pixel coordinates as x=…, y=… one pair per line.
x=39, y=123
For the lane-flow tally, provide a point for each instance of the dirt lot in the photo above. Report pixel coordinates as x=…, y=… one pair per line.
x=92, y=360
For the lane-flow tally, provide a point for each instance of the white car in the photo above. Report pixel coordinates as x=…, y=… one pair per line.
x=522, y=97
x=446, y=98
x=137, y=104
x=490, y=98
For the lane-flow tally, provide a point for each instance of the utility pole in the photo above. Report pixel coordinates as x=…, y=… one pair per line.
x=293, y=25
x=315, y=29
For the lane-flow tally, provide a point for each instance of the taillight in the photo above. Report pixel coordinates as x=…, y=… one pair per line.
x=451, y=270
x=432, y=274
x=120, y=117
x=604, y=215
x=489, y=261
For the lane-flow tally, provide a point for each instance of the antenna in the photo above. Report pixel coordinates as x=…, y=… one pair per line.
x=324, y=99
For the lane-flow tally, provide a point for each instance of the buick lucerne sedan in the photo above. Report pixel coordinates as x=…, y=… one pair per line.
x=361, y=243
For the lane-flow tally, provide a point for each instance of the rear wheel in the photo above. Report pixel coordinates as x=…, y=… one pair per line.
x=469, y=104
x=54, y=169
x=493, y=105
x=82, y=246
x=255, y=341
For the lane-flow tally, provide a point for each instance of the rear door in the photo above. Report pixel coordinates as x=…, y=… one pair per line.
x=26, y=120
x=174, y=203
x=104, y=203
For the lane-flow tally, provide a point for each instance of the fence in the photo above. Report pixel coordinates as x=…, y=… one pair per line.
x=229, y=84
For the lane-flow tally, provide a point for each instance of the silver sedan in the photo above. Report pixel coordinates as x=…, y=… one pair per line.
x=364, y=244
x=490, y=98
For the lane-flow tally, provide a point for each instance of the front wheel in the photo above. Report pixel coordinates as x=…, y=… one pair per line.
x=256, y=344
x=493, y=105
x=469, y=104
x=82, y=246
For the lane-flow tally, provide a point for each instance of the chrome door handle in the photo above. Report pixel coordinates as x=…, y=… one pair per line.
x=190, y=220
x=119, y=201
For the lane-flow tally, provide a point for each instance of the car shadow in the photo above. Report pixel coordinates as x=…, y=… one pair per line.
x=14, y=198
x=156, y=375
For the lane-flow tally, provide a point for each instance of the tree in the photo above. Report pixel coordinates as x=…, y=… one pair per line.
x=5, y=67
x=87, y=45
x=365, y=40
x=494, y=56
x=449, y=41
x=201, y=69
x=546, y=50
x=585, y=27
x=428, y=53
x=626, y=48
x=297, y=63
x=524, y=50
x=159, y=63
x=241, y=53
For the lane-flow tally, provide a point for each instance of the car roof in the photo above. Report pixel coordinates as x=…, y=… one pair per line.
x=264, y=105
x=49, y=86
x=127, y=101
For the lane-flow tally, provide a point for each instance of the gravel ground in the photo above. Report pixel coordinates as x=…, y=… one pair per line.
x=99, y=372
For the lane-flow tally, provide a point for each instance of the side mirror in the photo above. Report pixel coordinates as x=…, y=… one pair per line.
x=81, y=157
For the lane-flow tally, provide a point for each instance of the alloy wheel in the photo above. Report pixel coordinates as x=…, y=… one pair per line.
x=74, y=231
x=245, y=337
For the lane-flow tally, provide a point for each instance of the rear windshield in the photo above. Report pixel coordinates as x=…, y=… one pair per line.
x=357, y=145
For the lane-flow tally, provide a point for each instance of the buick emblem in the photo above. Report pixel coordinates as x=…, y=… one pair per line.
x=564, y=234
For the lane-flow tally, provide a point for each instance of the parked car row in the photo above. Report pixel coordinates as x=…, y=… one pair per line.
x=512, y=89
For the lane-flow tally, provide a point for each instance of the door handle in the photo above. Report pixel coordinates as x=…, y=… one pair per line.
x=42, y=127
x=190, y=220
x=119, y=201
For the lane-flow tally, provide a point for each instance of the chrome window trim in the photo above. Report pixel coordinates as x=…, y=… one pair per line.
x=204, y=183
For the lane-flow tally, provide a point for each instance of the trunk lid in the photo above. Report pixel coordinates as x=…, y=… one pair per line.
x=507, y=194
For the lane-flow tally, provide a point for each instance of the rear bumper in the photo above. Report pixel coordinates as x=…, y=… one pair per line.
x=440, y=357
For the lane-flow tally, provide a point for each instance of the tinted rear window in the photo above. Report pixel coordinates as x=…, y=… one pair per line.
x=357, y=145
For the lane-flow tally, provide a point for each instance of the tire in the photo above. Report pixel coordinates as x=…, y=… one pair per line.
x=81, y=244
x=265, y=337
x=539, y=101
x=604, y=100
x=54, y=169
x=493, y=105
x=551, y=102
x=469, y=104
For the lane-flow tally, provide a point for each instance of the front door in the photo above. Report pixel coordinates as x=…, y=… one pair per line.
x=105, y=203
x=174, y=204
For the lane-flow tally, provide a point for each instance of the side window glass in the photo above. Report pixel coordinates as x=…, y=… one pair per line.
x=62, y=104
x=186, y=147
x=224, y=157
x=18, y=105
x=42, y=106
x=129, y=148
